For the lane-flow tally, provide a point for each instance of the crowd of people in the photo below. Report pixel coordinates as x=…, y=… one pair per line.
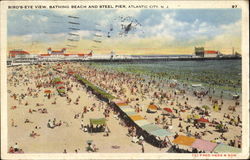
x=15, y=149
x=136, y=90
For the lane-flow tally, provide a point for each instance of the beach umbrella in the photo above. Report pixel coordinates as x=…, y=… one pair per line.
x=216, y=108
x=206, y=107
x=56, y=79
x=71, y=72
x=89, y=141
x=189, y=116
x=168, y=110
x=61, y=87
x=203, y=120
x=196, y=116
x=47, y=91
x=219, y=126
x=59, y=82
x=152, y=107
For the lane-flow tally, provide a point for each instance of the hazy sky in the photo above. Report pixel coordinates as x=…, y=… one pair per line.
x=170, y=31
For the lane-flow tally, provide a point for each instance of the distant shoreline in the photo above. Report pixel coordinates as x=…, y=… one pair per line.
x=162, y=59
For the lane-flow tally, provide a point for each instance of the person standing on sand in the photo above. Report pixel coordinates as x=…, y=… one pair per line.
x=82, y=124
x=16, y=148
x=142, y=148
x=64, y=151
x=50, y=124
x=82, y=116
x=11, y=150
x=187, y=128
x=54, y=122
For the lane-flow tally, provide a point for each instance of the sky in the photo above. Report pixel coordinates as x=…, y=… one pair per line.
x=159, y=31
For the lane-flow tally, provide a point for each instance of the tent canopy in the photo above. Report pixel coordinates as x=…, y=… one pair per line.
x=121, y=104
x=204, y=145
x=136, y=117
x=97, y=121
x=162, y=133
x=150, y=128
x=119, y=101
x=223, y=148
x=125, y=107
x=142, y=122
x=131, y=113
x=127, y=110
x=184, y=140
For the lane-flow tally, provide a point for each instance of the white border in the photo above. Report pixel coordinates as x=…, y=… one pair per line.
x=171, y=4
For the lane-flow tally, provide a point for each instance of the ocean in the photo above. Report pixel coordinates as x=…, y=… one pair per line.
x=221, y=75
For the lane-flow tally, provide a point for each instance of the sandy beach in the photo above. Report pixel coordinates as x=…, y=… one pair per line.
x=28, y=101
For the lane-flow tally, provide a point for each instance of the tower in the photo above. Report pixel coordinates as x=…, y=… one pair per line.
x=64, y=50
x=199, y=51
x=90, y=53
x=49, y=50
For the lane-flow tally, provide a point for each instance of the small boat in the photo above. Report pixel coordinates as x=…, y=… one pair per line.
x=236, y=96
x=196, y=85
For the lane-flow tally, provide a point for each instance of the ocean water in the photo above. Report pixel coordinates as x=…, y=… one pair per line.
x=216, y=74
